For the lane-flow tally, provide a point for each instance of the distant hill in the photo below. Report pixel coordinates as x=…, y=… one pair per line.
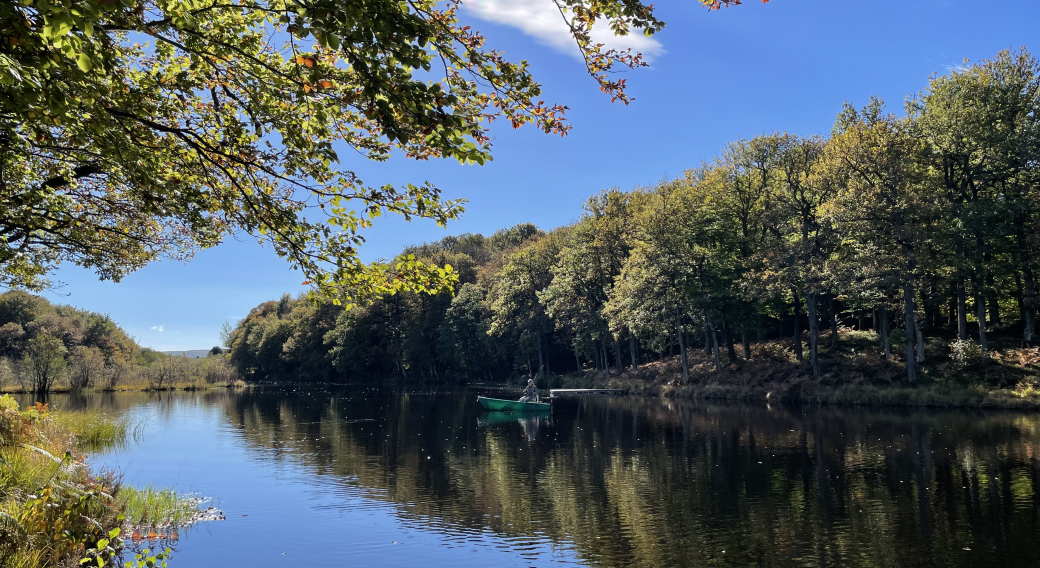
x=190, y=354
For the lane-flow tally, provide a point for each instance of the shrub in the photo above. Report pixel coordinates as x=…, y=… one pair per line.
x=88, y=365
x=217, y=370
x=897, y=337
x=774, y=351
x=117, y=373
x=965, y=352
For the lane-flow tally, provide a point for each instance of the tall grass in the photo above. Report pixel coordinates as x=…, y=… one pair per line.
x=151, y=507
x=53, y=510
x=94, y=430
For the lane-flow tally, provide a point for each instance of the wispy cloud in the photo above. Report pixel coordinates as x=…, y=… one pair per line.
x=158, y=327
x=541, y=19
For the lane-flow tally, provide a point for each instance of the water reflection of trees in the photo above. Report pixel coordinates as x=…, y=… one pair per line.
x=644, y=482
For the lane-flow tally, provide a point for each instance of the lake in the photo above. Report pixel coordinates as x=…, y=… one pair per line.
x=323, y=476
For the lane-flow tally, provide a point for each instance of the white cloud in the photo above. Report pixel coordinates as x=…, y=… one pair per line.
x=158, y=327
x=541, y=19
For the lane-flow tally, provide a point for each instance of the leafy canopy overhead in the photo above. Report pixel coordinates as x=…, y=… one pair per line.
x=136, y=129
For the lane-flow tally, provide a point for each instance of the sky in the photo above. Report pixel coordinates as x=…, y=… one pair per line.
x=788, y=65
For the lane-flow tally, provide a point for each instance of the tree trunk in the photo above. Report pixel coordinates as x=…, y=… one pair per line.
x=797, y=309
x=714, y=346
x=1029, y=291
x=617, y=355
x=727, y=337
x=952, y=320
x=682, y=347
x=832, y=310
x=909, y=313
x=577, y=362
x=994, y=304
x=548, y=370
x=541, y=356
x=606, y=359
x=1020, y=297
x=980, y=293
x=962, y=295
x=920, y=345
x=814, y=333
x=883, y=331
x=633, y=347
x=746, y=345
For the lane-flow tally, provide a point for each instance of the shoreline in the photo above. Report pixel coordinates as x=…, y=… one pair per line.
x=187, y=387
x=866, y=380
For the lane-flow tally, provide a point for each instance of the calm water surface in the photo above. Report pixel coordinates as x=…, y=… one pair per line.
x=346, y=477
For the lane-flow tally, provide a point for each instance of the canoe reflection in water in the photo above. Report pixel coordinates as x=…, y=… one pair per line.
x=530, y=422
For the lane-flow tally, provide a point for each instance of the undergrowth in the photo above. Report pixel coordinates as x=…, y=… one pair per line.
x=53, y=510
x=953, y=375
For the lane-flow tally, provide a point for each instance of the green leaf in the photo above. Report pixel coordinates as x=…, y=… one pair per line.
x=84, y=62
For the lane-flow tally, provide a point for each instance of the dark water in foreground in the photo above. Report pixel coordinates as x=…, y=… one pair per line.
x=325, y=477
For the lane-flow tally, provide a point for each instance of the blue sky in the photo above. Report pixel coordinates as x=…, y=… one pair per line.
x=715, y=77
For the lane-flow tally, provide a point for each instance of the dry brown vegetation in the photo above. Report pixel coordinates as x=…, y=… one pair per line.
x=856, y=374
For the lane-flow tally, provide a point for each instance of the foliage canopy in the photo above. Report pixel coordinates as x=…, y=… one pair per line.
x=136, y=129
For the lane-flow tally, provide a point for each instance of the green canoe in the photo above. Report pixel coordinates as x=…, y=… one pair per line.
x=512, y=405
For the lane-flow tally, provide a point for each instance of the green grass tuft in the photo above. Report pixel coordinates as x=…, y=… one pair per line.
x=151, y=507
x=95, y=430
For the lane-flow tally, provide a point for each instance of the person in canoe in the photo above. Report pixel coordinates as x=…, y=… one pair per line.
x=530, y=393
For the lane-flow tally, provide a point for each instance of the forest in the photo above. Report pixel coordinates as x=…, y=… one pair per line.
x=46, y=347
x=920, y=226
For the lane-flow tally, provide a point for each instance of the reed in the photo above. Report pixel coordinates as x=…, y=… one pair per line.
x=94, y=430
x=149, y=507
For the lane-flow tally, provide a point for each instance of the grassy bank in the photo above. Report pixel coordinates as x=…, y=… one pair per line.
x=55, y=511
x=856, y=373
x=143, y=386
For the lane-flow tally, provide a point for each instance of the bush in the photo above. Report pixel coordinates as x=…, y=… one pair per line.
x=965, y=352
x=117, y=373
x=87, y=366
x=773, y=351
x=217, y=370
x=897, y=337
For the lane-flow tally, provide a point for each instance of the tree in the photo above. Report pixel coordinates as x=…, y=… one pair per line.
x=87, y=366
x=981, y=126
x=43, y=362
x=165, y=372
x=517, y=313
x=136, y=129
x=793, y=256
x=886, y=204
x=463, y=337
x=743, y=181
x=590, y=263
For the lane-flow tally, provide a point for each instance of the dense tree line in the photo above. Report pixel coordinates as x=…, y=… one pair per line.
x=925, y=223
x=45, y=346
